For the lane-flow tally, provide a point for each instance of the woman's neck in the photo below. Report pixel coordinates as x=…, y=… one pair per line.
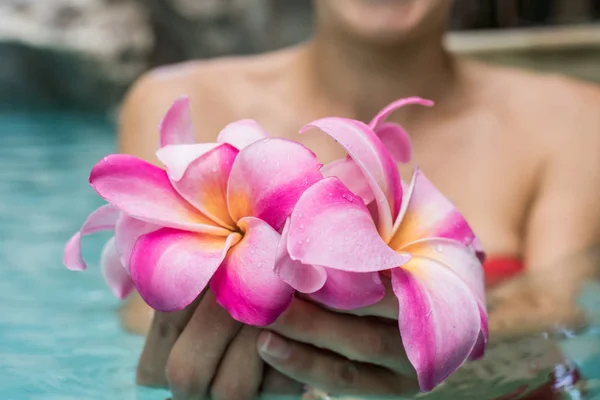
x=362, y=78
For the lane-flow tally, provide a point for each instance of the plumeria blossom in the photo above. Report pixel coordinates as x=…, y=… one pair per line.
x=333, y=243
x=394, y=138
x=213, y=217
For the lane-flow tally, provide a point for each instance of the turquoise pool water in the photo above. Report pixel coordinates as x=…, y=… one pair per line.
x=59, y=335
x=59, y=338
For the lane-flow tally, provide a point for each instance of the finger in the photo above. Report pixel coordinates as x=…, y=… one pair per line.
x=164, y=332
x=196, y=354
x=240, y=373
x=330, y=372
x=362, y=339
x=275, y=385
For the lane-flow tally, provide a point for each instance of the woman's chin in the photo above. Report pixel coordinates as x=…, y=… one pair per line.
x=136, y=315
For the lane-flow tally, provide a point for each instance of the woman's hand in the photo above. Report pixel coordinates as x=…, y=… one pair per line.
x=341, y=354
x=544, y=298
x=203, y=353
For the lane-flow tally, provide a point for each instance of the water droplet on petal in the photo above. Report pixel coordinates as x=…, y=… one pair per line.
x=307, y=240
x=301, y=226
x=439, y=248
x=214, y=169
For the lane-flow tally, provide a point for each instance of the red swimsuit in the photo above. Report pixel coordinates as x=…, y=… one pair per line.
x=498, y=269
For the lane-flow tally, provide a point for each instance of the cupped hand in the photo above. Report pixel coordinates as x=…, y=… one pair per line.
x=202, y=353
x=359, y=354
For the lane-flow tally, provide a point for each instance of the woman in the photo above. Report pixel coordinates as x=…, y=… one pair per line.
x=518, y=153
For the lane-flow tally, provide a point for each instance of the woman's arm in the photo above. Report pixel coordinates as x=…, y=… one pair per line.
x=562, y=230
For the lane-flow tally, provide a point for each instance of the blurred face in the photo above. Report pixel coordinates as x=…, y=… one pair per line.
x=384, y=21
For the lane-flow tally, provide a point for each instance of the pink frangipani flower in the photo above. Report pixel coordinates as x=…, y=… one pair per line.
x=214, y=216
x=334, y=244
x=394, y=138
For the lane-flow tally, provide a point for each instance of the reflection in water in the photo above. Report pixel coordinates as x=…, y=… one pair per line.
x=60, y=337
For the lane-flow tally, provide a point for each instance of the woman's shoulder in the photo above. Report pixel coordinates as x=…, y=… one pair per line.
x=218, y=89
x=549, y=106
x=217, y=74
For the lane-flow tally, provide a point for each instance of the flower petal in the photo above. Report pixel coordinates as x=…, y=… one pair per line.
x=101, y=219
x=114, y=273
x=204, y=183
x=268, y=177
x=241, y=133
x=346, y=170
x=464, y=263
x=427, y=213
x=438, y=319
x=478, y=249
x=390, y=108
x=176, y=127
x=246, y=284
x=396, y=141
x=331, y=227
x=377, y=165
x=303, y=278
x=479, y=348
x=455, y=256
x=144, y=191
x=170, y=268
x=127, y=232
x=350, y=290
x=176, y=158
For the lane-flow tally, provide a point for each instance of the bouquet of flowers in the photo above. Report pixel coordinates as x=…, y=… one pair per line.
x=257, y=219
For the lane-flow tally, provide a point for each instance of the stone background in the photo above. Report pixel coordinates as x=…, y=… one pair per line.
x=85, y=53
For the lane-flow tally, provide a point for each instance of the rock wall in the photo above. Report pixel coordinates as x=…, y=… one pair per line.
x=188, y=29
x=84, y=53
x=63, y=52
